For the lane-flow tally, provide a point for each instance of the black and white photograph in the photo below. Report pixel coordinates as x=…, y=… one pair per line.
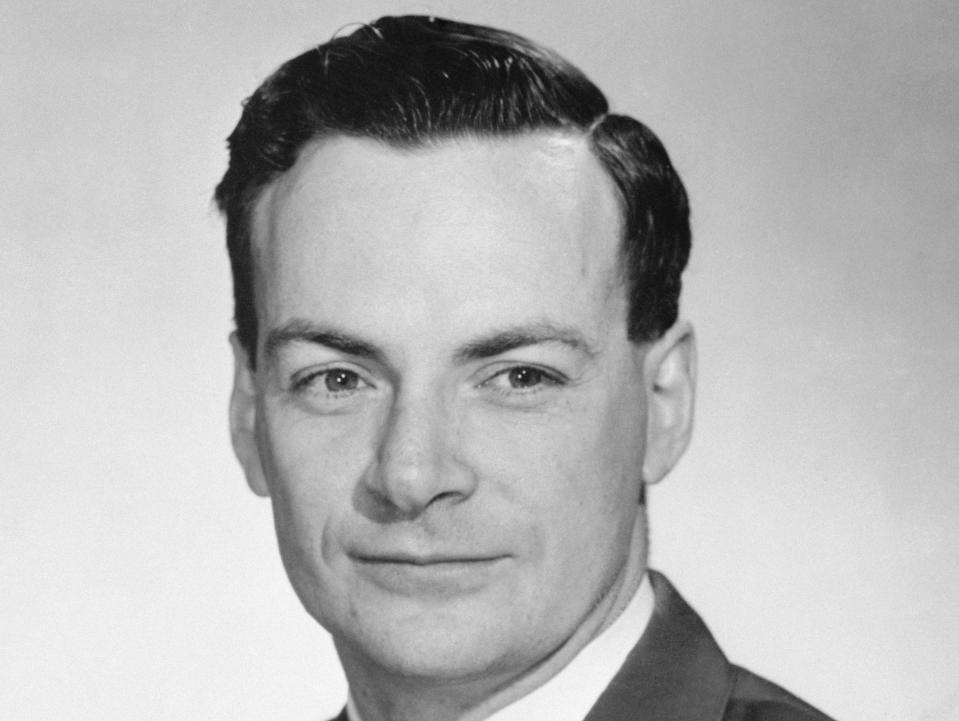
x=500, y=361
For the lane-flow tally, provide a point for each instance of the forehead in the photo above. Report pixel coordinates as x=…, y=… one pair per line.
x=474, y=225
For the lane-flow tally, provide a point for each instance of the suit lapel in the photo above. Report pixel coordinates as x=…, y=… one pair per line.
x=675, y=673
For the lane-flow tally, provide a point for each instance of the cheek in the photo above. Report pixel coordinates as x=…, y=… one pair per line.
x=313, y=454
x=573, y=472
x=570, y=488
x=312, y=466
x=595, y=434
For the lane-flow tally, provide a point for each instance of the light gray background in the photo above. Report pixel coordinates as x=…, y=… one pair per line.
x=815, y=520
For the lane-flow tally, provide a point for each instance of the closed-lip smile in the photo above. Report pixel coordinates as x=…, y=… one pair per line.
x=429, y=574
x=432, y=559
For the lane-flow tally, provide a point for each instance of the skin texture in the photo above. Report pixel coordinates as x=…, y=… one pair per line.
x=447, y=414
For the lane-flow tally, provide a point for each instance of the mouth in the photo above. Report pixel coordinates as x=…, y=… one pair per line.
x=425, y=560
x=429, y=574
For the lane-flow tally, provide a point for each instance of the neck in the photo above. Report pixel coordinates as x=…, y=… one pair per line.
x=382, y=696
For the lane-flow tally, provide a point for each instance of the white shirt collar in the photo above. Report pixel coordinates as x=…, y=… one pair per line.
x=570, y=694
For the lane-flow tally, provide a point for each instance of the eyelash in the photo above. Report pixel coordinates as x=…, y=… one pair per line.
x=548, y=379
x=310, y=379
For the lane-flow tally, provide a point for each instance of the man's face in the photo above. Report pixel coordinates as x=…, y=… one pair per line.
x=446, y=412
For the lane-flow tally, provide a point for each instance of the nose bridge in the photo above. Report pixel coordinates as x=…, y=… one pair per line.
x=412, y=432
x=413, y=458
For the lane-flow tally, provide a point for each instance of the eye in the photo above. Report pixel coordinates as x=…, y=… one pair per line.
x=522, y=380
x=340, y=379
x=330, y=382
x=525, y=377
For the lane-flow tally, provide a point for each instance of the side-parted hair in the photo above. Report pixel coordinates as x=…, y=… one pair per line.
x=409, y=81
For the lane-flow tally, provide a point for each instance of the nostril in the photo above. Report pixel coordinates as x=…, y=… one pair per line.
x=447, y=495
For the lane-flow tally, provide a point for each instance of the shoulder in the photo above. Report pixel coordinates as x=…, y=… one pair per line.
x=753, y=698
x=677, y=672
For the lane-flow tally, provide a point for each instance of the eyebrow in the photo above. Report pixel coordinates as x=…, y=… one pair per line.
x=487, y=346
x=301, y=331
x=522, y=336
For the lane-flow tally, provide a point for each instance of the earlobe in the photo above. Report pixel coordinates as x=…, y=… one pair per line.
x=670, y=372
x=243, y=420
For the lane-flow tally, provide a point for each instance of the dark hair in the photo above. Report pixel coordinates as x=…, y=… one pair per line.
x=410, y=80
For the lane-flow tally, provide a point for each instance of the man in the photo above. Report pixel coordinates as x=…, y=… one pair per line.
x=458, y=363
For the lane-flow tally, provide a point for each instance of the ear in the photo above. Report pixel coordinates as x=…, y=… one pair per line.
x=670, y=373
x=243, y=419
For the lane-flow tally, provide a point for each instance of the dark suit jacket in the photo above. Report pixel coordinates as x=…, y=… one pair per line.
x=677, y=673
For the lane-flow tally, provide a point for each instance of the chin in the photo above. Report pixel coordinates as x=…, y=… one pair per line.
x=438, y=647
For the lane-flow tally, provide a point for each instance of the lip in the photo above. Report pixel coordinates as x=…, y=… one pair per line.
x=429, y=574
x=429, y=559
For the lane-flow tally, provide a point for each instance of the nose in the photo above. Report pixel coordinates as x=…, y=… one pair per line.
x=416, y=464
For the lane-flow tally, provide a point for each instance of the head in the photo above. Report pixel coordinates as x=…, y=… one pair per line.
x=458, y=360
